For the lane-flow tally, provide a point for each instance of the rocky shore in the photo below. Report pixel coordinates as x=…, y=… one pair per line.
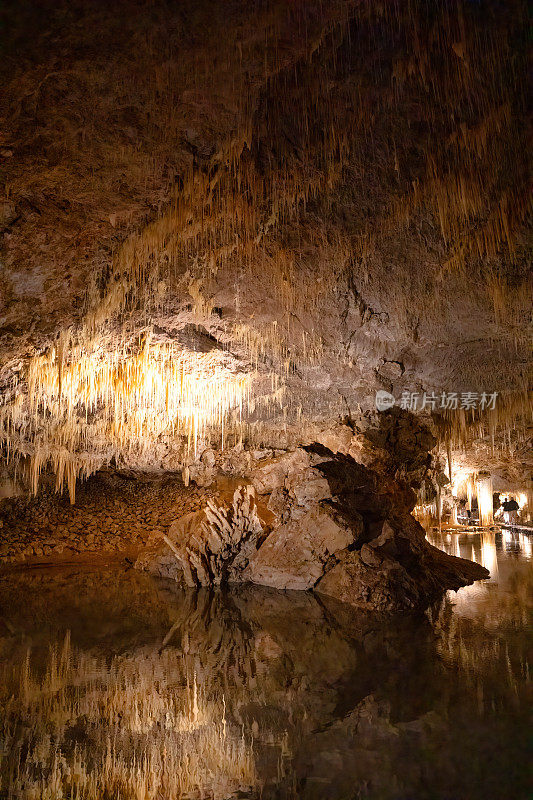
x=115, y=513
x=313, y=519
x=332, y=516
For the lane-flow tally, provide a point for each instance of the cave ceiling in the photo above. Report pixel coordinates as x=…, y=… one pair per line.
x=301, y=202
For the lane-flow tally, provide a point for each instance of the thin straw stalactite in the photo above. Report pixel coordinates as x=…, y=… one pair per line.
x=334, y=151
x=88, y=405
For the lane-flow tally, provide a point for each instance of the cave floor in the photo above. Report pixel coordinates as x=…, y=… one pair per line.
x=265, y=693
x=112, y=520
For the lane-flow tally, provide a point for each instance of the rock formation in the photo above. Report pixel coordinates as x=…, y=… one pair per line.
x=213, y=545
x=255, y=245
x=336, y=526
x=224, y=228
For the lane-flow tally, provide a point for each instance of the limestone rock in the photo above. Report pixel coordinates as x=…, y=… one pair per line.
x=337, y=438
x=8, y=214
x=276, y=472
x=210, y=546
x=322, y=521
x=368, y=580
x=293, y=556
x=309, y=488
x=208, y=458
x=396, y=570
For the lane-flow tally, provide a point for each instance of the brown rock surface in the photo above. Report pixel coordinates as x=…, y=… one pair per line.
x=319, y=205
x=294, y=555
x=115, y=511
x=338, y=527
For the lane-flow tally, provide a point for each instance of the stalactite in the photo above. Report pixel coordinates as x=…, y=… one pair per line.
x=264, y=197
x=457, y=428
x=87, y=404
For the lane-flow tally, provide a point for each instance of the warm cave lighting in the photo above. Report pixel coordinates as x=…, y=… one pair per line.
x=488, y=553
x=484, y=498
x=507, y=536
x=178, y=737
x=526, y=545
x=265, y=400
x=521, y=499
x=122, y=400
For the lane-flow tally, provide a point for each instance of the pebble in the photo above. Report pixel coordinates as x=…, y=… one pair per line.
x=105, y=518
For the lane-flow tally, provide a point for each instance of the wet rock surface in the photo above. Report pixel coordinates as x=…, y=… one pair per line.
x=337, y=526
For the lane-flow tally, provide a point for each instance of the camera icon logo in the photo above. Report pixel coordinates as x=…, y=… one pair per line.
x=384, y=400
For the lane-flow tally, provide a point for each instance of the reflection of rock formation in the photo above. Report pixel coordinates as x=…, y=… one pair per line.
x=338, y=527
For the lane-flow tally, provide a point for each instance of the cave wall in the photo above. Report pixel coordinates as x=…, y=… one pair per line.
x=335, y=195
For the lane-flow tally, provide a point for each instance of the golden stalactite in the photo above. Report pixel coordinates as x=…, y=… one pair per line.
x=89, y=403
x=298, y=133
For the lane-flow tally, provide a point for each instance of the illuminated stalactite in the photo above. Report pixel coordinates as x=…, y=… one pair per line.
x=484, y=498
x=86, y=404
x=512, y=413
x=280, y=196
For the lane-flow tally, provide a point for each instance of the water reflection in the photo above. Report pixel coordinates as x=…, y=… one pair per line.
x=483, y=546
x=507, y=555
x=322, y=701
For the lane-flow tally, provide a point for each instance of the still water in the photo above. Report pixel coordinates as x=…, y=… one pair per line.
x=114, y=685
